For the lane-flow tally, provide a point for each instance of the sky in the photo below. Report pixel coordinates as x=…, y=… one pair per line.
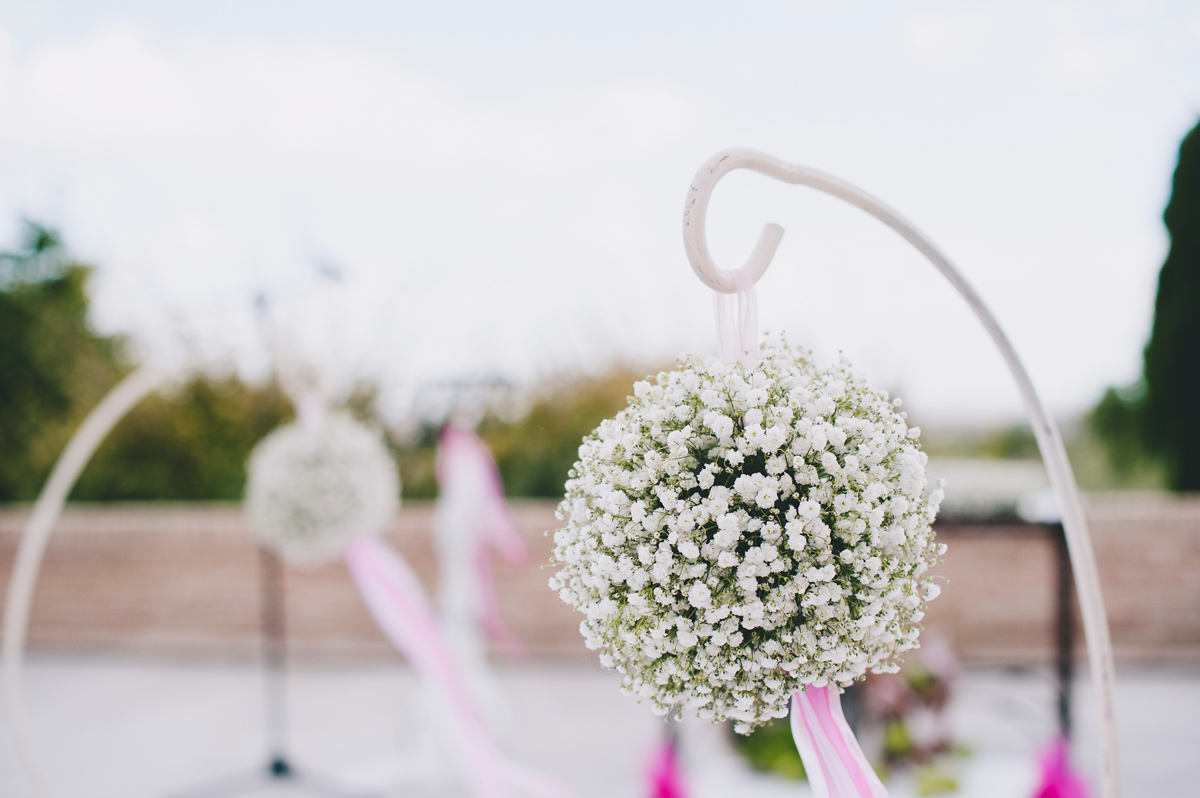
x=430, y=192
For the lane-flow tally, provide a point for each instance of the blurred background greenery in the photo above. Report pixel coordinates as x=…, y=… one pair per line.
x=192, y=442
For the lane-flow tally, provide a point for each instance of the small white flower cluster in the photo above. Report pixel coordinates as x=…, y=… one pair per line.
x=732, y=536
x=313, y=486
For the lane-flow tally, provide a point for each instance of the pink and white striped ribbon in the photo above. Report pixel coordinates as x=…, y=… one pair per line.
x=832, y=757
x=397, y=602
x=737, y=338
x=463, y=456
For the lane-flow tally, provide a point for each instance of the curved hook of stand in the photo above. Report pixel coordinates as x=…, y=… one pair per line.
x=1049, y=440
x=95, y=428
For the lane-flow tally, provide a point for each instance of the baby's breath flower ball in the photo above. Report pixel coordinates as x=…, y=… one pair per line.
x=732, y=536
x=313, y=486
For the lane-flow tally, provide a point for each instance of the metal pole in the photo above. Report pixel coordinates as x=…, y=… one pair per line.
x=274, y=641
x=1064, y=632
x=273, y=628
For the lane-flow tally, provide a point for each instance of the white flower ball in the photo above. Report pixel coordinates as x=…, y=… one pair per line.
x=732, y=536
x=313, y=486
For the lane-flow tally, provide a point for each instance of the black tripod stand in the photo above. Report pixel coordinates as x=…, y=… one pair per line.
x=279, y=770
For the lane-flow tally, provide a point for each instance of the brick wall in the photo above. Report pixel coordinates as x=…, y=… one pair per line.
x=181, y=580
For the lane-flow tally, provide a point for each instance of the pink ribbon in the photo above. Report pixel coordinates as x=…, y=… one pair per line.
x=665, y=779
x=1058, y=780
x=737, y=339
x=397, y=602
x=463, y=456
x=832, y=757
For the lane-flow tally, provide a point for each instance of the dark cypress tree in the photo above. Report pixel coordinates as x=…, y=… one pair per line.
x=1171, y=409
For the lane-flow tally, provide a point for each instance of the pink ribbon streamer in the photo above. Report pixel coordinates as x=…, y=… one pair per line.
x=1058, y=780
x=460, y=455
x=737, y=339
x=832, y=757
x=397, y=602
x=666, y=781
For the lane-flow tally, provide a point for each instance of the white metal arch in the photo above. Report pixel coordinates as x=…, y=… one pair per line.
x=1062, y=478
x=36, y=534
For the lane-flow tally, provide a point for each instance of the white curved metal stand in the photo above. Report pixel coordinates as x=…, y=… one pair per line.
x=1062, y=478
x=95, y=428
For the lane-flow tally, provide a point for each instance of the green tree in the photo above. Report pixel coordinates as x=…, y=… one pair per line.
x=53, y=366
x=536, y=452
x=1170, y=410
x=189, y=444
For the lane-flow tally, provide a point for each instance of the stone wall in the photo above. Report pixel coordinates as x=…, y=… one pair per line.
x=181, y=580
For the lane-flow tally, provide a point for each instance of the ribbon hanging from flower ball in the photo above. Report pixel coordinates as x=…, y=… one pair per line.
x=737, y=322
x=473, y=511
x=833, y=759
x=397, y=602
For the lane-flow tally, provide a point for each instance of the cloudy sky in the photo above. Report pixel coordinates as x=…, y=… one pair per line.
x=500, y=185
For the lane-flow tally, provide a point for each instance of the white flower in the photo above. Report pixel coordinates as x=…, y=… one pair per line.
x=719, y=423
x=312, y=486
x=766, y=496
x=772, y=439
x=699, y=595
x=747, y=486
x=753, y=533
x=808, y=509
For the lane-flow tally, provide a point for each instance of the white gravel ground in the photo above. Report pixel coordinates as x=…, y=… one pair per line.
x=128, y=729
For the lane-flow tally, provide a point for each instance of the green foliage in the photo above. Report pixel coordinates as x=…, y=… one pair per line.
x=417, y=478
x=190, y=445
x=897, y=742
x=932, y=778
x=1116, y=420
x=1014, y=442
x=39, y=258
x=1116, y=426
x=53, y=367
x=1170, y=421
x=536, y=452
x=771, y=749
